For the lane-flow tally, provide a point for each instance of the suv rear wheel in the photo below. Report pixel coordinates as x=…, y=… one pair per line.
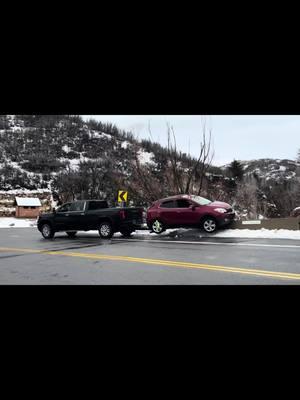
x=157, y=226
x=209, y=224
x=47, y=231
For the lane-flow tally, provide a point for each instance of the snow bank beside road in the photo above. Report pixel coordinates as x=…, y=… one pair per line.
x=258, y=234
x=229, y=233
x=17, y=223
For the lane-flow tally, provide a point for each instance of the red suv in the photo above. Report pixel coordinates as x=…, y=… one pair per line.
x=188, y=211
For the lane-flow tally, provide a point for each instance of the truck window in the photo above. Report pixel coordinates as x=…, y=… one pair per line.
x=97, y=205
x=64, y=208
x=77, y=206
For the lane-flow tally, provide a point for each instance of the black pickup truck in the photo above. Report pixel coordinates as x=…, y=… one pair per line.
x=85, y=215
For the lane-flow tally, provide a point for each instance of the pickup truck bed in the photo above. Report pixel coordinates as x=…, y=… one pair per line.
x=85, y=215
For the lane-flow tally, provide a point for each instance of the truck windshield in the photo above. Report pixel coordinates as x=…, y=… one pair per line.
x=200, y=200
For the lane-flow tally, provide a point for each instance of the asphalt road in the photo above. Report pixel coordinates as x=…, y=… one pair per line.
x=179, y=259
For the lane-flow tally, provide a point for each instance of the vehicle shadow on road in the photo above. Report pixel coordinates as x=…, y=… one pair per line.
x=79, y=242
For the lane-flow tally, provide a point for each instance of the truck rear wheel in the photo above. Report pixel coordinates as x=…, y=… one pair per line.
x=105, y=230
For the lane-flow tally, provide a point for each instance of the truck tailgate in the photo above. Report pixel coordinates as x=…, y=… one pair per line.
x=134, y=215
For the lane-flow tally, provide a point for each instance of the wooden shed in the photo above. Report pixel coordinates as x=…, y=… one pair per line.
x=27, y=207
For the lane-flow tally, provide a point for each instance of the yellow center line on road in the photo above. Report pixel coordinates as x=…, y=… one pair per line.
x=168, y=263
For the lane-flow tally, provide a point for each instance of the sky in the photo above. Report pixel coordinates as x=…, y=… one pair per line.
x=240, y=137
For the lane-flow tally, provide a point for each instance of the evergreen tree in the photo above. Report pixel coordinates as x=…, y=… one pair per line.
x=236, y=170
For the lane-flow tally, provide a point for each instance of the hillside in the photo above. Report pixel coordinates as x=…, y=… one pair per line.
x=271, y=170
x=64, y=156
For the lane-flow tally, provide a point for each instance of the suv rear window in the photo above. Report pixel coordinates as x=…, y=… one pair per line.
x=182, y=203
x=168, y=204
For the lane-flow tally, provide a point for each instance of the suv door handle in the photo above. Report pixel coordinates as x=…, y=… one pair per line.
x=66, y=215
x=81, y=213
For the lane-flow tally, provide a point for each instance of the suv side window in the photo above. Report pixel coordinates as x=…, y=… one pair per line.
x=182, y=203
x=64, y=208
x=77, y=206
x=168, y=204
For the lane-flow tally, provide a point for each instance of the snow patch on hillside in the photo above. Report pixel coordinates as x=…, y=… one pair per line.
x=106, y=135
x=145, y=157
x=66, y=148
x=125, y=144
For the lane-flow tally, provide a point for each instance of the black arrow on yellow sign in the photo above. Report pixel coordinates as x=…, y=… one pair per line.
x=122, y=196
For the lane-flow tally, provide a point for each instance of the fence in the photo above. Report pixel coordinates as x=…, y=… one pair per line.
x=292, y=223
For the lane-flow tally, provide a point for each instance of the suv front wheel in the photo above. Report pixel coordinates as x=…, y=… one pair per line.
x=209, y=224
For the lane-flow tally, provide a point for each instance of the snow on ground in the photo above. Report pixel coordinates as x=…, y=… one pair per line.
x=229, y=233
x=24, y=191
x=259, y=234
x=17, y=223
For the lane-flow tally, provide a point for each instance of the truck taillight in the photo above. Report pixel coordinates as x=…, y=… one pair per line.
x=122, y=214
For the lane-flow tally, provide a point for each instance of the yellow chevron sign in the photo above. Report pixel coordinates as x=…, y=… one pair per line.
x=122, y=196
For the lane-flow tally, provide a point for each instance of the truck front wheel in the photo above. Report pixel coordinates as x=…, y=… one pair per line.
x=105, y=230
x=47, y=231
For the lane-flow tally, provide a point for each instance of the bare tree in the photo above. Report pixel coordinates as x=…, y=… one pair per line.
x=181, y=174
x=245, y=199
x=190, y=178
x=144, y=184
